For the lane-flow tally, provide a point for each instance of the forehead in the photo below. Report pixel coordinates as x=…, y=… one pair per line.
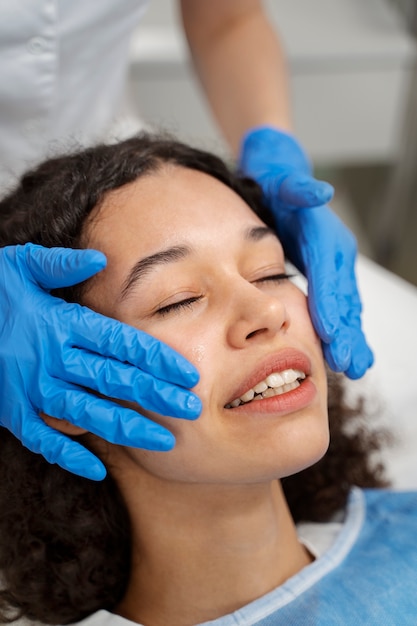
x=163, y=207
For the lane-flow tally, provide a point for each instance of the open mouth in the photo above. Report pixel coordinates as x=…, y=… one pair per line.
x=275, y=384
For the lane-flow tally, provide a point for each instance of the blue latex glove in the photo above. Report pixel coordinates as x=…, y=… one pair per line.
x=51, y=350
x=315, y=240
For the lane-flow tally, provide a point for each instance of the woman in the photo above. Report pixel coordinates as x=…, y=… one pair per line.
x=207, y=530
x=63, y=74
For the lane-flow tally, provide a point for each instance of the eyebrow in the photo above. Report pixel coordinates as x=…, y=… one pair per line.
x=176, y=253
x=257, y=233
x=148, y=263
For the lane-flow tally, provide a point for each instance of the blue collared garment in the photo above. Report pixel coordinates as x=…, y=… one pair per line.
x=368, y=576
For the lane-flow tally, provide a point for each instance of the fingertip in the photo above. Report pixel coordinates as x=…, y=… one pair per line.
x=338, y=355
x=178, y=404
x=360, y=364
x=194, y=406
x=305, y=191
x=85, y=465
x=322, y=191
x=141, y=432
x=94, y=257
x=326, y=328
x=95, y=471
x=87, y=262
x=192, y=375
x=61, y=267
x=161, y=441
x=354, y=374
x=189, y=375
x=167, y=442
x=159, y=359
x=342, y=355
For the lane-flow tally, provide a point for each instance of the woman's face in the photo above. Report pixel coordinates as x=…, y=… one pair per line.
x=191, y=264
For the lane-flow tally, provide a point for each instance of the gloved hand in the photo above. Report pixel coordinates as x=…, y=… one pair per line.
x=315, y=240
x=51, y=350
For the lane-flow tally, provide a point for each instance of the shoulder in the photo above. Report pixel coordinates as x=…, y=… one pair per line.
x=389, y=522
x=388, y=506
x=389, y=498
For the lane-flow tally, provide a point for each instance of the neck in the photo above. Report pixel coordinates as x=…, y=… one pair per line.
x=202, y=551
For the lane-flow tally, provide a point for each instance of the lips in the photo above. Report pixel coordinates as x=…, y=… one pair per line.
x=287, y=359
x=273, y=385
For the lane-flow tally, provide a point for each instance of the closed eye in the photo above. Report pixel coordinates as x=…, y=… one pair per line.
x=275, y=278
x=187, y=303
x=177, y=306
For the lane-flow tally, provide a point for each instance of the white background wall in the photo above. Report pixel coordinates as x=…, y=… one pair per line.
x=350, y=62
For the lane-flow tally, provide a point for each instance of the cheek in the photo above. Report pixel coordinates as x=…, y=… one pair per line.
x=198, y=353
x=301, y=319
x=198, y=455
x=194, y=439
x=201, y=346
x=199, y=341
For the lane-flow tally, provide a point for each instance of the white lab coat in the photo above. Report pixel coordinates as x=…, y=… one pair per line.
x=63, y=71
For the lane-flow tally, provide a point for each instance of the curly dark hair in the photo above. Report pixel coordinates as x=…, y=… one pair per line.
x=65, y=540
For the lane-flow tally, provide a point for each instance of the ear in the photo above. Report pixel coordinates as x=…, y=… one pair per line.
x=64, y=426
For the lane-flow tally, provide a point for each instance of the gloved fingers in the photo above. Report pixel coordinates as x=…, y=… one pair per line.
x=335, y=309
x=301, y=191
x=333, y=296
x=338, y=352
x=125, y=382
x=362, y=356
x=322, y=296
x=266, y=148
x=55, y=447
x=348, y=351
x=60, y=267
x=329, y=254
x=108, y=337
x=107, y=419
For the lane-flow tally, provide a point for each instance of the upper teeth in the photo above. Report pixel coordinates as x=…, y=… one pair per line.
x=274, y=384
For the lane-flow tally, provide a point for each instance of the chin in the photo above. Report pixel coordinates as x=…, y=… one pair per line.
x=310, y=458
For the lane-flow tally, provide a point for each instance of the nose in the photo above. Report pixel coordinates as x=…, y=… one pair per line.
x=257, y=316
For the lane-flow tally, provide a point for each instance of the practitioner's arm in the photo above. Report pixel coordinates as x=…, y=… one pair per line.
x=240, y=64
x=242, y=69
x=51, y=351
